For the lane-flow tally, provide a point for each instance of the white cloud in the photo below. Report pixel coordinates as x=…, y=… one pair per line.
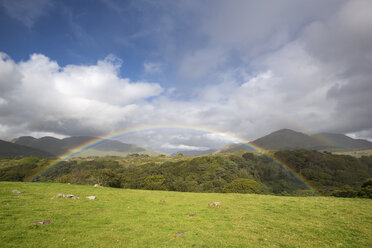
x=41, y=96
x=181, y=147
x=153, y=68
x=26, y=11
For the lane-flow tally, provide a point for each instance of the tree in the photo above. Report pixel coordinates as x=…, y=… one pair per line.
x=366, y=190
x=154, y=182
x=244, y=186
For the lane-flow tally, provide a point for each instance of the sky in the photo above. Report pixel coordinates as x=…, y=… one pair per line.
x=244, y=68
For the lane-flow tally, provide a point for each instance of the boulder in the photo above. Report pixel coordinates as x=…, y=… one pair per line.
x=180, y=234
x=215, y=204
x=43, y=222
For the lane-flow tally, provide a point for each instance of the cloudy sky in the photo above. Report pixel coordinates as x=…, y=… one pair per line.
x=246, y=68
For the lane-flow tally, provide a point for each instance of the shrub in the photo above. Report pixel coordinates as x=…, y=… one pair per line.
x=244, y=186
x=154, y=182
x=303, y=192
x=346, y=192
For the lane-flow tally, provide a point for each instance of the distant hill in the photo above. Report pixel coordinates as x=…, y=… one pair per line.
x=61, y=146
x=9, y=150
x=286, y=139
x=234, y=147
x=195, y=152
x=342, y=141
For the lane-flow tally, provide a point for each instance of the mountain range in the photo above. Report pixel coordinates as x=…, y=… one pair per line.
x=58, y=147
x=284, y=139
x=8, y=149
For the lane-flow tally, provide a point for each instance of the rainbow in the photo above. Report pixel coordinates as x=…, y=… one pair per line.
x=128, y=131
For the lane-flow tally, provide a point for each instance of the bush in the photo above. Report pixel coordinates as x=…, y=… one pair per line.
x=154, y=182
x=346, y=192
x=366, y=190
x=244, y=186
x=303, y=192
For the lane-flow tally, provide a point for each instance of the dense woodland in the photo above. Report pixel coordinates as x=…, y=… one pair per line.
x=240, y=172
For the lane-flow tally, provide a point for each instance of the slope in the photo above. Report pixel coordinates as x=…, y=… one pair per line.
x=62, y=146
x=8, y=149
x=342, y=141
x=137, y=218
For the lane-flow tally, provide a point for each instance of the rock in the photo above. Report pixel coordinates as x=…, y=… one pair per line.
x=92, y=197
x=192, y=214
x=60, y=195
x=16, y=191
x=43, y=222
x=180, y=234
x=215, y=204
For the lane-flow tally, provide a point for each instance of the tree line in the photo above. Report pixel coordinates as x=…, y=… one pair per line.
x=239, y=172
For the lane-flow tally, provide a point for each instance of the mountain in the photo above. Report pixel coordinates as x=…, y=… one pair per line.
x=286, y=139
x=342, y=141
x=8, y=149
x=61, y=146
x=195, y=152
x=234, y=147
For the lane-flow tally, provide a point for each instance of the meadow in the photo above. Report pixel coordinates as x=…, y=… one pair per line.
x=140, y=218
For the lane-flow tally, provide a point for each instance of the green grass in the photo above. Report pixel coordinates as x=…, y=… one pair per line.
x=136, y=218
x=358, y=153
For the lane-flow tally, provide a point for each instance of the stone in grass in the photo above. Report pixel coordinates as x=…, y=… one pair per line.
x=180, y=234
x=60, y=195
x=16, y=191
x=192, y=214
x=215, y=204
x=92, y=197
x=43, y=222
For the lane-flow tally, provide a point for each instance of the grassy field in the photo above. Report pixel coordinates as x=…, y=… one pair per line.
x=135, y=218
x=358, y=153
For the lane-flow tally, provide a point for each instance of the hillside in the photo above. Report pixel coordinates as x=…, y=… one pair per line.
x=8, y=149
x=195, y=152
x=137, y=218
x=286, y=139
x=326, y=172
x=62, y=146
x=342, y=141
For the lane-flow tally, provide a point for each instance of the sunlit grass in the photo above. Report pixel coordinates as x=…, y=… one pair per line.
x=136, y=218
